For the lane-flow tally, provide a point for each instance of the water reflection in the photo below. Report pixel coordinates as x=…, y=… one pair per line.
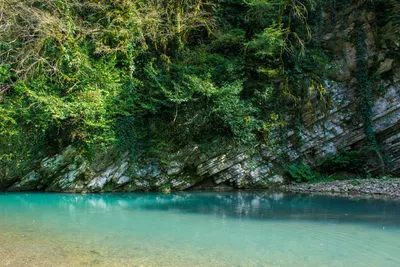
x=240, y=205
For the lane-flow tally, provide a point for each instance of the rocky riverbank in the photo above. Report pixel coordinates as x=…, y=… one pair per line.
x=388, y=188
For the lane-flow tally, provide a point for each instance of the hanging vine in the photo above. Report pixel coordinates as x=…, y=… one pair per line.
x=364, y=91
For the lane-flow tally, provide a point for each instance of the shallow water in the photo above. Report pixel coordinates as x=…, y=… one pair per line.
x=197, y=229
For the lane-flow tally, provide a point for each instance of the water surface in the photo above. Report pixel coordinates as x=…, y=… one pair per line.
x=197, y=229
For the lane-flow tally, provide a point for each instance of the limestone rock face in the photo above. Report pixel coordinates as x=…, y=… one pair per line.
x=385, y=66
x=29, y=182
x=51, y=166
x=97, y=183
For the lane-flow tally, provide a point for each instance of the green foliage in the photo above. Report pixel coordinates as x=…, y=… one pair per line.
x=341, y=166
x=165, y=187
x=151, y=76
x=108, y=188
x=363, y=85
x=268, y=43
x=301, y=173
x=344, y=161
x=364, y=94
x=146, y=75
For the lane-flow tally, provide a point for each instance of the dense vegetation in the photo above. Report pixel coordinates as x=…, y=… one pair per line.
x=147, y=75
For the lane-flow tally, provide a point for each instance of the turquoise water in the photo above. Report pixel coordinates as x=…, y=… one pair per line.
x=197, y=229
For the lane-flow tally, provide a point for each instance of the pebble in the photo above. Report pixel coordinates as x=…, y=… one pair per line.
x=384, y=187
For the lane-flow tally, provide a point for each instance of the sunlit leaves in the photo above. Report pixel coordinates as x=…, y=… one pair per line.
x=268, y=43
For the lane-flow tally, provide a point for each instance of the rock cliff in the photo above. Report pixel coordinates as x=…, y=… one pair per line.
x=324, y=132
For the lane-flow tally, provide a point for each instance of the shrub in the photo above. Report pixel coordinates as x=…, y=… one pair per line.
x=344, y=161
x=301, y=173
